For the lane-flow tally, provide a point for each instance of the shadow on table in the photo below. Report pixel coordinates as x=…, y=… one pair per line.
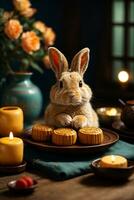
x=93, y=180
x=11, y=194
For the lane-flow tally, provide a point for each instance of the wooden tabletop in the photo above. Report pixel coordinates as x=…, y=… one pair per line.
x=83, y=187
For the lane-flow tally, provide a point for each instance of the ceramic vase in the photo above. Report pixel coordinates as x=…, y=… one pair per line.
x=21, y=91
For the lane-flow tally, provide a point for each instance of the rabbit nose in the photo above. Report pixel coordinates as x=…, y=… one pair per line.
x=74, y=94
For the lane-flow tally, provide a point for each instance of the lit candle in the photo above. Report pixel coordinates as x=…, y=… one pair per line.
x=111, y=112
x=11, y=150
x=113, y=161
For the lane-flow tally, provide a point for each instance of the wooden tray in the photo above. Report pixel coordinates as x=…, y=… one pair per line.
x=110, y=137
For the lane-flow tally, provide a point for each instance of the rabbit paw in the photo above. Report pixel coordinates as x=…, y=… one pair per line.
x=63, y=120
x=79, y=121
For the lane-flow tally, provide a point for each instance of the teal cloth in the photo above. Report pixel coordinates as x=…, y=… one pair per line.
x=61, y=167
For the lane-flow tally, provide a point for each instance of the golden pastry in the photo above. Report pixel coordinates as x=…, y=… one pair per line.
x=41, y=132
x=64, y=136
x=90, y=135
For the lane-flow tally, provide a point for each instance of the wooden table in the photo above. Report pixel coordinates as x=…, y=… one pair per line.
x=86, y=187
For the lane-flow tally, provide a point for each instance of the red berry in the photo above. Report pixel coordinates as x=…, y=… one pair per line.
x=21, y=183
x=29, y=180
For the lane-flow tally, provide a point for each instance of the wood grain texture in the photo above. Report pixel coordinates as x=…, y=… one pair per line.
x=84, y=187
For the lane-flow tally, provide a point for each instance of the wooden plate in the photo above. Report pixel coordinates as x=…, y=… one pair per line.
x=110, y=137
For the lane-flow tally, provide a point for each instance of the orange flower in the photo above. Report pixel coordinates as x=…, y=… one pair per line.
x=21, y=5
x=40, y=26
x=7, y=15
x=13, y=29
x=28, y=12
x=49, y=36
x=46, y=61
x=30, y=42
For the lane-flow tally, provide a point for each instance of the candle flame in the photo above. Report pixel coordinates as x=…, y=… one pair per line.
x=111, y=112
x=123, y=76
x=11, y=135
x=113, y=158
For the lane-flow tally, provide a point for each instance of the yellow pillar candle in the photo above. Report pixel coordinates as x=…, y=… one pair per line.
x=113, y=161
x=11, y=119
x=11, y=150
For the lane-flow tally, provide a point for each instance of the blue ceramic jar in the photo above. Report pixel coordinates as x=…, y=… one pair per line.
x=20, y=91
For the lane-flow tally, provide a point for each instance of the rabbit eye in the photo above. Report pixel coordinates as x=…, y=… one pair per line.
x=61, y=84
x=80, y=84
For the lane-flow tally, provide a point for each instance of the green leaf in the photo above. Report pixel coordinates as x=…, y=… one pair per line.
x=25, y=62
x=39, y=54
x=10, y=46
x=1, y=12
x=36, y=66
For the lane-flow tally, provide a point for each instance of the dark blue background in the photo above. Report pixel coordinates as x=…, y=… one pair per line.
x=78, y=24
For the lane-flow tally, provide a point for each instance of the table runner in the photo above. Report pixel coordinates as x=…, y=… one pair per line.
x=60, y=167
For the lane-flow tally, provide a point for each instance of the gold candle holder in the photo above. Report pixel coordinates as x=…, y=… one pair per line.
x=107, y=115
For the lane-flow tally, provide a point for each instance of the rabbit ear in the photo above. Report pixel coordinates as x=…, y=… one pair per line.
x=80, y=61
x=58, y=61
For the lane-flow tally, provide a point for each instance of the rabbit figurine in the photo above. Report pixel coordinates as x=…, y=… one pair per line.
x=70, y=96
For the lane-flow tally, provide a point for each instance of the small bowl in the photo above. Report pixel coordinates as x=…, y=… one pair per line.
x=107, y=115
x=12, y=187
x=112, y=173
